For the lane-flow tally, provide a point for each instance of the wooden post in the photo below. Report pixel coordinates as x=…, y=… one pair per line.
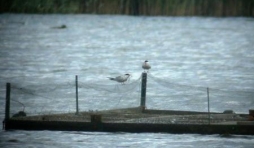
x=7, y=104
x=208, y=106
x=96, y=122
x=251, y=115
x=143, y=91
x=77, y=109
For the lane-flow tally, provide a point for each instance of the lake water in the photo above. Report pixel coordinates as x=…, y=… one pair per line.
x=187, y=54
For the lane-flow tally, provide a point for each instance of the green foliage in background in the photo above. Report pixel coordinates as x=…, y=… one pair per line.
x=133, y=7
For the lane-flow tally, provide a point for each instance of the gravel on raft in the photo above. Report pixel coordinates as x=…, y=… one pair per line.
x=135, y=115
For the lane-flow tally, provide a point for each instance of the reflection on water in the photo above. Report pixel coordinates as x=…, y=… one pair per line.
x=208, y=52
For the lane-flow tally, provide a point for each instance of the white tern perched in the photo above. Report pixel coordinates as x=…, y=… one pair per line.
x=146, y=66
x=120, y=79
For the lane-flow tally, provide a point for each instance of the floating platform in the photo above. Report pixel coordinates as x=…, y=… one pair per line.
x=138, y=120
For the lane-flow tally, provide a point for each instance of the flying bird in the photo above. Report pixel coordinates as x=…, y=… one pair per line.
x=120, y=79
x=146, y=66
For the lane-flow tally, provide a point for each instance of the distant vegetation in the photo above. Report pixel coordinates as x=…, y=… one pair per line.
x=133, y=7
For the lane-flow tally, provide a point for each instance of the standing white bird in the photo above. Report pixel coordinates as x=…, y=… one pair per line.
x=146, y=66
x=121, y=79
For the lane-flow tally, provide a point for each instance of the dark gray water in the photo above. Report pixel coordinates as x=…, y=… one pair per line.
x=187, y=54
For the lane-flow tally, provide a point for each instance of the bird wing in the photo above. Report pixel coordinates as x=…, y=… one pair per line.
x=120, y=79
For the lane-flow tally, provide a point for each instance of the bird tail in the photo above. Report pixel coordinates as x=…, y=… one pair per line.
x=111, y=78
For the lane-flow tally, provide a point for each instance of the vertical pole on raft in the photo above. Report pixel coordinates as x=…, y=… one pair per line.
x=208, y=106
x=143, y=91
x=77, y=110
x=7, y=104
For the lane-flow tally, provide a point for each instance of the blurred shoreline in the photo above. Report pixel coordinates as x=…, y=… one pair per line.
x=217, y=8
